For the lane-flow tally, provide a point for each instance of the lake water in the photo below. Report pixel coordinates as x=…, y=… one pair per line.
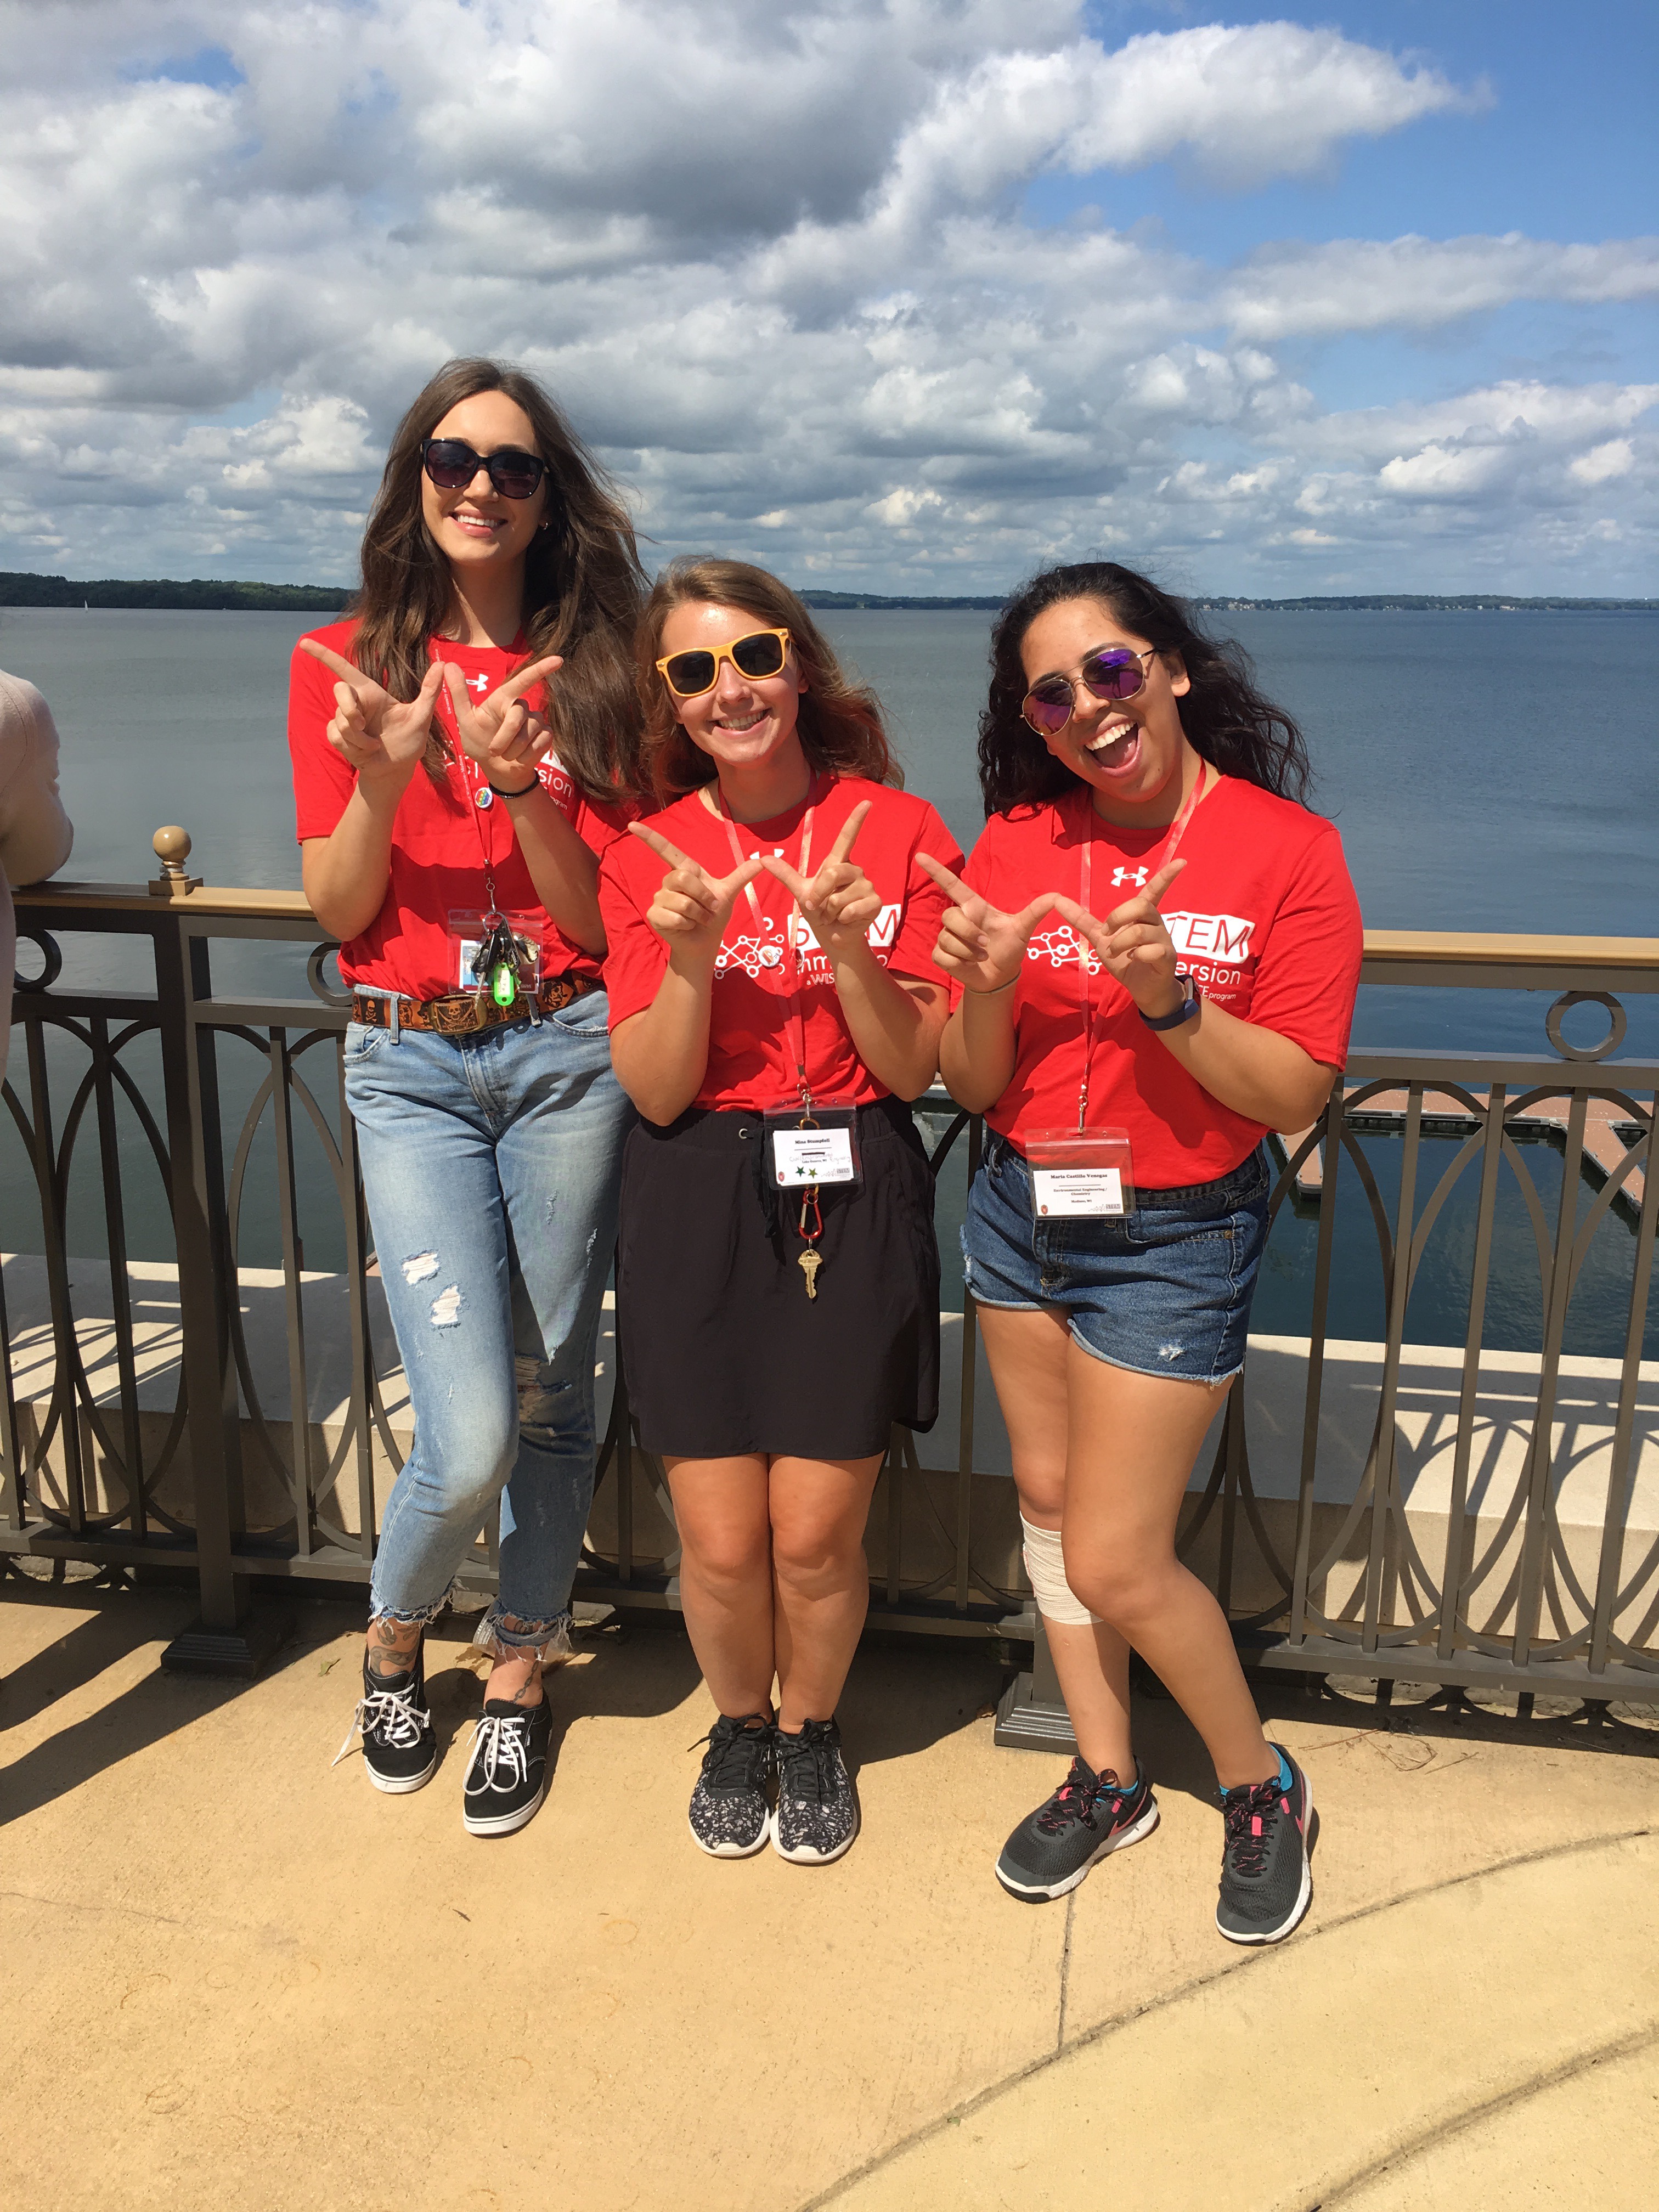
x=1487, y=772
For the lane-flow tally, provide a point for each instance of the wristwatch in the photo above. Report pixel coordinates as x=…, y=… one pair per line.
x=1188, y=1010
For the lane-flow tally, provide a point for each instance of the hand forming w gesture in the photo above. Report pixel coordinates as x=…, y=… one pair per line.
x=1133, y=941
x=978, y=946
x=379, y=735
x=840, y=901
x=691, y=908
x=502, y=732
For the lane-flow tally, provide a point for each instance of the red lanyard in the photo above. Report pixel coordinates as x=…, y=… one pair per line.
x=475, y=790
x=796, y=1018
x=1177, y=831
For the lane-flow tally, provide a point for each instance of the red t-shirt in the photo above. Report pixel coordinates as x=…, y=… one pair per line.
x=749, y=1065
x=1265, y=920
x=440, y=835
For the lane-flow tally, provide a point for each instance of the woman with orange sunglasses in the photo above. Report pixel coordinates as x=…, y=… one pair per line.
x=773, y=1005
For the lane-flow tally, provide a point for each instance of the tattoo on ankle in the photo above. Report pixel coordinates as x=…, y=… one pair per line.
x=392, y=1646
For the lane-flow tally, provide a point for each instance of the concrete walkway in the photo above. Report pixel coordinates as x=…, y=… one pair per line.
x=239, y=1979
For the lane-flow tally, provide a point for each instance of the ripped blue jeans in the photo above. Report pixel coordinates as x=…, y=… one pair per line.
x=491, y=1164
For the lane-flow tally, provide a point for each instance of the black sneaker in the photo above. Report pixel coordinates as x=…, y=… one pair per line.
x=729, y=1809
x=399, y=1749
x=817, y=1813
x=506, y=1773
x=1088, y=1815
x=1266, y=1882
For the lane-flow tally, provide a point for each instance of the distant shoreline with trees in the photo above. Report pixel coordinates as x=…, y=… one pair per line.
x=18, y=589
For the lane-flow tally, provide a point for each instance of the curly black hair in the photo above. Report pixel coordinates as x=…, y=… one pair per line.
x=1225, y=718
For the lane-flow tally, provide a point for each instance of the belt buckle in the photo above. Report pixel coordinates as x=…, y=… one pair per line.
x=459, y=1014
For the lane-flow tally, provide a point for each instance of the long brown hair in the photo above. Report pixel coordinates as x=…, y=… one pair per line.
x=583, y=584
x=840, y=724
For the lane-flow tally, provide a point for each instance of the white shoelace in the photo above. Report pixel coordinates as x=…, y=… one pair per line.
x=392, y=1714
x=500, y=1739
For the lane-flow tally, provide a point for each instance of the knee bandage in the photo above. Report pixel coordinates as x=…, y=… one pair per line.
x=1045, y=1563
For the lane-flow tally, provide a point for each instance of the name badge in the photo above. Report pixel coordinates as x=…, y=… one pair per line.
x=800, y=1157
x=804, y=1149
x=1080, y=1173
x=1077, y=1190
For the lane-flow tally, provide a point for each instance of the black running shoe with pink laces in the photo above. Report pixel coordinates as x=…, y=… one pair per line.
x=1088, y=1815
x=1266, y=1881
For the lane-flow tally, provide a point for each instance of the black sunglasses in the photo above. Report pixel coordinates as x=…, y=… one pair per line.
x=451, y=465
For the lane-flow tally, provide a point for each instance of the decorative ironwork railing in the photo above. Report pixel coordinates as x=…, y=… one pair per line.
x=186, y=1393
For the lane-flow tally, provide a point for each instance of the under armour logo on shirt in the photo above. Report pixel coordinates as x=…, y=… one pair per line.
x=1135, y=876
x=478, y=683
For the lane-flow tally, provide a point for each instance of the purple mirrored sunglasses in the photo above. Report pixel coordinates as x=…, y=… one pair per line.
x=1116, y=672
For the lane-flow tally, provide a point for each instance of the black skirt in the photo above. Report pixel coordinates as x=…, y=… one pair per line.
x=724, y=1352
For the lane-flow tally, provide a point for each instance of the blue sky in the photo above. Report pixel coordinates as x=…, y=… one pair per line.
x=895, y=294
x=1565, y=150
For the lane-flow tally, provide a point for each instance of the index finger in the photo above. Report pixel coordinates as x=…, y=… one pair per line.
x=942, y=876
x=798, y=888
x=1162, y=881
x=663, y=850
x=331, y=659
x=745, y=873
x=515, y=686
x=850, y=830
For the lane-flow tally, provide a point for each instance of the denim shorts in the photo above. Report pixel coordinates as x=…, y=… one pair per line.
x=1163, y=1291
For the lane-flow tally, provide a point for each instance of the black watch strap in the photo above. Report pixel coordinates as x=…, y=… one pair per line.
x=1186, y=1011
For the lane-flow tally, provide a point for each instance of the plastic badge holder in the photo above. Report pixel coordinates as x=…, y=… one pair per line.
x=467, y=936
x=1080, y=1173
x=804, y=1149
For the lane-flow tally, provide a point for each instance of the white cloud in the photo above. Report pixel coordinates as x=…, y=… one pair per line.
x=1363, y=284
x=1617, y=457
x=772, y=257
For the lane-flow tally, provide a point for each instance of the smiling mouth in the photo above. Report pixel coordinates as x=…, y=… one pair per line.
x=479, y=522
x=1111, y=746
x=740, y=725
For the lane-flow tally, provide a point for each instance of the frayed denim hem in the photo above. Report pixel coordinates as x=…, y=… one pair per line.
x=412, y=1616
x=546, y=1640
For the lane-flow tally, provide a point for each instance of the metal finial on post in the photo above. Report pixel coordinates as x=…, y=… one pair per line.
x=171, y=846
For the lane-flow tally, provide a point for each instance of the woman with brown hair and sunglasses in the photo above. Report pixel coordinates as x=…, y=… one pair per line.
x=462, y=748
x=1128, y=1057
x=773, y=1005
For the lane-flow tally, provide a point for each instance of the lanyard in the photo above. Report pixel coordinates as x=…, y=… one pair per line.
x=475, y=787
x=796, y=1018
x=1177, y=831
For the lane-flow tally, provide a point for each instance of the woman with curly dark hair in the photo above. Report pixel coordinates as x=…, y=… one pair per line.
x=773, y=1006
x=1129, y=1061
x=463, y=750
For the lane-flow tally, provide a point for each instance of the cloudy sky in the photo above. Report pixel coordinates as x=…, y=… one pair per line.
x=907, y=295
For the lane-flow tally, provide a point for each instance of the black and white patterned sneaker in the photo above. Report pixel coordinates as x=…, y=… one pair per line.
x=399, y=1749
x=817, y=1811
x=1266, y=1881
x=730, y=1812
x=507, y=1772
x=1088, y=1815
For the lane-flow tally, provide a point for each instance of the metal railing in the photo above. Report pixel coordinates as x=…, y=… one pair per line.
x=1459, y=1513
